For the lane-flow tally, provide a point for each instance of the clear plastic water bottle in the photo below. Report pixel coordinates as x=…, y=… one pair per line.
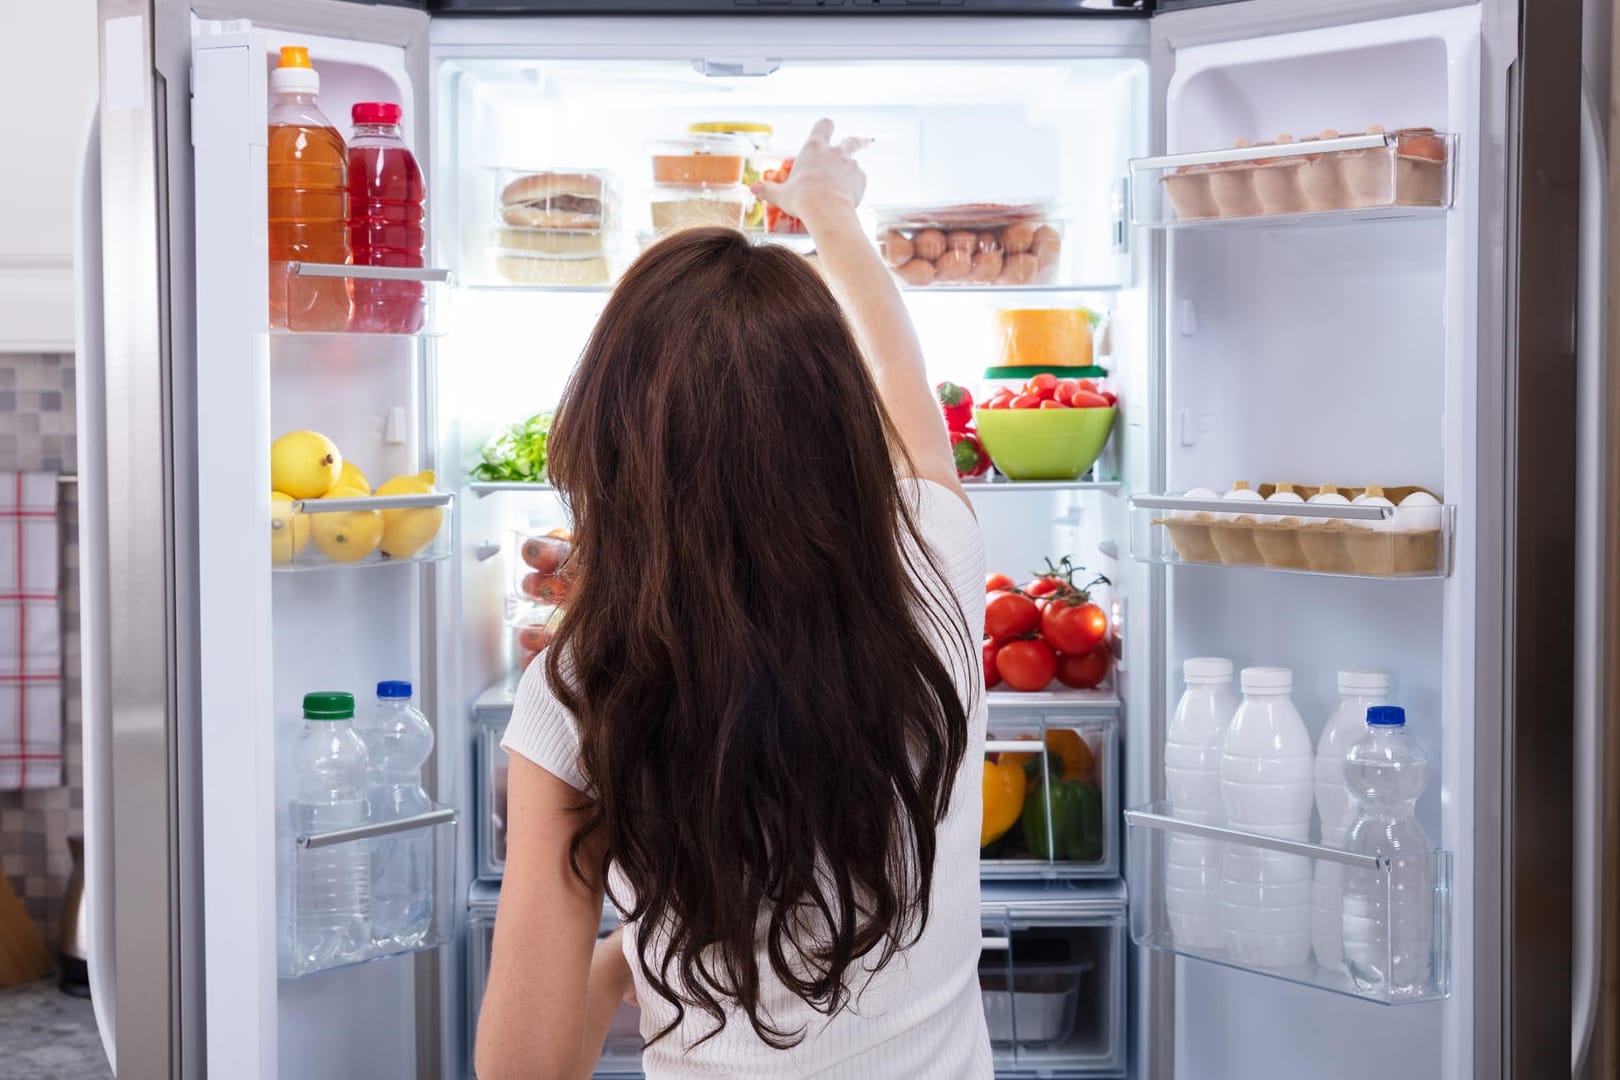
x=398, y=741
x=332, y=884
x=1192, y=781
x=1336, y=807
x=1266, y=766
x=1389, y=918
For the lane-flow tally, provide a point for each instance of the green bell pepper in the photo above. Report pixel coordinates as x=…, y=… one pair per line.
x=1064, y=820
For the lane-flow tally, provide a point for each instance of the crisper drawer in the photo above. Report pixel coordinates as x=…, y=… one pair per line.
x=621, y=1052
x=1052, y=973
x=1051, y=792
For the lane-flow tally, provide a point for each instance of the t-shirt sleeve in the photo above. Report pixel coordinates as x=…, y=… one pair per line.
x=953, y=533
x=542, y=730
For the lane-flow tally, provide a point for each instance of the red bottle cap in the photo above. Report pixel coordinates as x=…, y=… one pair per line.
x=376, y=112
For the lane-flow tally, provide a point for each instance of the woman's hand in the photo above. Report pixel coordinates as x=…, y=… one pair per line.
x=610, y=964
x=825, y=183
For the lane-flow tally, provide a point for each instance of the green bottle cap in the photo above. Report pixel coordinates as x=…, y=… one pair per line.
x=329, y=705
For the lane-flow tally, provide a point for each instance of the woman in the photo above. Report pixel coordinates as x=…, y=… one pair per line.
x=760, y=724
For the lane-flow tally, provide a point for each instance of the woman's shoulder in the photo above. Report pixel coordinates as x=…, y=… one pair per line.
x=542, y=729
x=949, y=527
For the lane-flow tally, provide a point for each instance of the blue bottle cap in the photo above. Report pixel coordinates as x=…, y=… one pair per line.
x=394, y=688
x=1386, y=716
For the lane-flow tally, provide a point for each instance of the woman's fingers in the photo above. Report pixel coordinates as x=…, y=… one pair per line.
x=822, y=132
x=853, y=145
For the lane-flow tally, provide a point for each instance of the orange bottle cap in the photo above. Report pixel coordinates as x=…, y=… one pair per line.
x=294, y=56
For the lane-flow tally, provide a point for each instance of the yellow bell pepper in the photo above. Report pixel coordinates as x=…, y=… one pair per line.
x=1071, y=749
x=1003, y=800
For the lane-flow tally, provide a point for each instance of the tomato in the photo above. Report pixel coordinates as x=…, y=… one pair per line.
x=1026, y=665
x=1086, y=671
x=1110, y=397
x=991, y=675
x=533, y=638
x=1072, y=628
x=1043, y=587
x=1065, y=390
x=1026, y=401
x=997, y=583
x=1085, y=399
x=1053, y=404
x=1088, y=385
x=1001, y=399
x=1042, y=386
x=550, y=588
x=1007, y=615
x=544, y=553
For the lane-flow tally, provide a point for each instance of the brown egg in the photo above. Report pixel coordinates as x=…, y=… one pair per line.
x=1048, y=244
x=986, y=266
x=929, y=244
x=896, y=247
x=990, y=240
x=1019, y=269
x=1018, y=237
x=953, y=265
x=962, y=240
x=916, y=272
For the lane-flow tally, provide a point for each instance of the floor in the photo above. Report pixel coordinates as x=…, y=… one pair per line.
x=48, y=1035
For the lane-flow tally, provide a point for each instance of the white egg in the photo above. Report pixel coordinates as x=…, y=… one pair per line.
x=1418, y=512
x=1197, y=493
x=1327, y=498
x=1241, y=492
x=1281, y=497
x=1374, y=496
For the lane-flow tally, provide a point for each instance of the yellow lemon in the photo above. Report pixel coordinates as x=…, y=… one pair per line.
x=347, y=535
x=407, y=532
x=289, y=530
x=352, y=477
x=304, y=464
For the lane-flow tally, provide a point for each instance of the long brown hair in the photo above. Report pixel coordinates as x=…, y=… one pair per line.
x=768, y=729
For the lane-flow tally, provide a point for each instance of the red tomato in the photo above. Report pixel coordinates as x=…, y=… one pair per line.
x=1026, y=665
x=1007, y=615
x=1042, y=386
x=1065, y=390
x=1001, y=399
x=1088, y=385
x=1053, y=404
x=1084, y=672
x=1085, y=399
x=544, y=553
x=1108, y=396
x=1026, y=401
x=533, y=638
x=991, y=675
x=1043, y=586
x=1073, y=629
x=997, y=583
x=550, y=588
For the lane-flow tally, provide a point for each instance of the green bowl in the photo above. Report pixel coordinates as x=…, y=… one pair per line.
x=1044, y=444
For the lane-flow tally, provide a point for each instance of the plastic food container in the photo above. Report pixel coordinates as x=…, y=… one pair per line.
x=1045, y=337
x=700, y=159
x=754, y=166
x=1014, y=378
x=577, y=200
x=972, y=244
x=678, y=207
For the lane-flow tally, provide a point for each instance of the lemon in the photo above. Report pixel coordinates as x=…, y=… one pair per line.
x=289, y=530
x=407, y=532
x=347, y=535
x=304, y=464
x=352, y=477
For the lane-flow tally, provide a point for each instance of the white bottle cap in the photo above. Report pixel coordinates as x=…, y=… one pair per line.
x=1204, y=669
x=1262, y=679
x=1350, y=681
x=294, y=75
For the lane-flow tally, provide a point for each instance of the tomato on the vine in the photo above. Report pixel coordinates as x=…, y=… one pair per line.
x=1008, y=615
x=991, y=675
x=1074, y=626
x=1086, y=671
x=1026, y=665
x=997, y=583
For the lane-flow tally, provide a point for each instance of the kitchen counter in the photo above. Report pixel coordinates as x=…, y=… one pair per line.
x=48, y=1035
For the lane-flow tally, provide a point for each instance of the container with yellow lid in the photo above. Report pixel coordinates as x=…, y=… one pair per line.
x=757, y=134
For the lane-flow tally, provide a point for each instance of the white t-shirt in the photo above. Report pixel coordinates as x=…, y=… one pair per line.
x=920, y=1017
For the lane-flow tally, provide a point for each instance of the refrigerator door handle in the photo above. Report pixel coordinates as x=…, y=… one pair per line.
x=1594, y=442
x=91, y=494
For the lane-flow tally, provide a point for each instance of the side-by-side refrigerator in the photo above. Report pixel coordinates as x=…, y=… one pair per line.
x=1335, y=249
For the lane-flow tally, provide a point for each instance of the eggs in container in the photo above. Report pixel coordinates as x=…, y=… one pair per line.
x=972, y=244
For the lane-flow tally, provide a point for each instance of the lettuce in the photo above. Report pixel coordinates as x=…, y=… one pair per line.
x=517, y=453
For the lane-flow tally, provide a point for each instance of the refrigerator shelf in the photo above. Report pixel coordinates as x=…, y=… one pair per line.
x=433, y=831
x=344, y=301
x=321, y=541
x=1376, y=176
x=1068, y=823
x=1310, y=538
x=482, y=488
x=1180, y=904
x=1008, y=487
x=1102, y=702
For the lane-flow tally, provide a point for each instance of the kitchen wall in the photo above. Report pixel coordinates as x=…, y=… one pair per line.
x=37, y=435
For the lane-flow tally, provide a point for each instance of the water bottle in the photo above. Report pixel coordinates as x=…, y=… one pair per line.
x=398, y=741
x=1266, y=764
x=1336, y=807
x=1192, y=780
x=1389, y=917
x=332, y=884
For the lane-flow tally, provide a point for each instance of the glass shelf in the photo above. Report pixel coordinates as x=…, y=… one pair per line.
x=1004, y=486
x=1068, y=817
x=352, y=533
x=1100, y=702
x=338, y=300
x=1407, y=173
x=481, y=488
x=1186, y=899
x=303, y=949
x=1309, y=538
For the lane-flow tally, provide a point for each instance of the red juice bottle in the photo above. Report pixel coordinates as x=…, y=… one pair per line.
x=386, y=219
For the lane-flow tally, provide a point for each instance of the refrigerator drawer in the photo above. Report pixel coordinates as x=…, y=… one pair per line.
x=490, y=830
x=1051, y=814
x=621, y=1052
x=1368, y=926
x=1054, y=991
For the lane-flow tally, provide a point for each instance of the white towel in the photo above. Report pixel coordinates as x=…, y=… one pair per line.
x=30, y=633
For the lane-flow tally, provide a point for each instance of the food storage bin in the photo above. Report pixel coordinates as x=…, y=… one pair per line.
x=1163, y=848
x=674, y=207
x=987, y=244
x=700, y=159
x=310, y=292
x=337, y=533
x=1340, y=538
x=1375, y=173
x=557, y=200
x=758, y=160
x=1051, y=794
x=621, y=1050
x=1052, y=979
x=491, y=760
x=1045, y=338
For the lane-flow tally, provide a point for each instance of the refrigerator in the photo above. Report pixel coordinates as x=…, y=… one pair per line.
x=1443, y=333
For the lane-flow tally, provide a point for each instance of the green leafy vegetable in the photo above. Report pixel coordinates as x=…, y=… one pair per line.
x=518, y=453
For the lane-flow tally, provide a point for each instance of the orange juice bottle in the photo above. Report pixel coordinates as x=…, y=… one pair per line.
x=309, y=200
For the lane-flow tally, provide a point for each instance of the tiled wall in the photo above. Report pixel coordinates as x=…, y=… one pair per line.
x=37, y=435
